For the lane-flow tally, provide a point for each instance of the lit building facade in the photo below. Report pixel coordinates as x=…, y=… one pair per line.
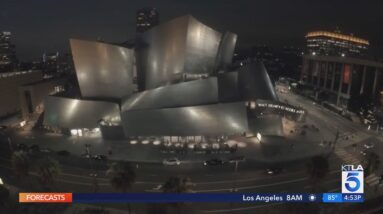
x=146, y=18
x=9, y=89
x=180, y=96
x=8, y=60
x=335, y=44
x=343, y=81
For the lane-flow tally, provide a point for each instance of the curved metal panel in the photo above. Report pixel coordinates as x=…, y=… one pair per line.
x=226, y=50
x=255, y=83
x=266, y=125
x=103, y=70
x=169, y=51
x=73, y=113
x=218, y=119
x=228, y=87
x=197, y=92
x=201, y=48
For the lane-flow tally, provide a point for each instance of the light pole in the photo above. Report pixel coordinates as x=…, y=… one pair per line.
x=10, y=144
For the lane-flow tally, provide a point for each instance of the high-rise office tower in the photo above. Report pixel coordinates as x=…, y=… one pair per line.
x=8, y=59
x=146, y=18
x=335, y=44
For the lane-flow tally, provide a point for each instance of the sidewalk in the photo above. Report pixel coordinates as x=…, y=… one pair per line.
x=271, y=149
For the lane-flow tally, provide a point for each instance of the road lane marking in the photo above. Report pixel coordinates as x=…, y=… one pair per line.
x=253, y=186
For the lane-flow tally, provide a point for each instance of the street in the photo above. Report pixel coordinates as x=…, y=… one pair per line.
x=251, y=175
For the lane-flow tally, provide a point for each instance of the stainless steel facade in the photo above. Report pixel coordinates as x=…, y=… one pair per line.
x=226, y=50
x=103, y=70
x=174, y=49
x=208, y=120
x=197, y=92
x=181, y=94
x=267, y=125
x=73, y=113
x=254, y=82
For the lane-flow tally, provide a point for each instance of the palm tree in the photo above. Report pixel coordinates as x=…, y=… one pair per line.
x=178, y=185
x=122, y=177
x=47, y=170
x=317, y=169
x=20, y=164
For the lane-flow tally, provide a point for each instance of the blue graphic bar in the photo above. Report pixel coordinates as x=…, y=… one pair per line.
x=195, y=197
x=353, y=198
x=342, y=198
x=332, y=197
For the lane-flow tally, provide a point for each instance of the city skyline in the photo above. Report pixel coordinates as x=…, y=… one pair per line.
x=43, y=26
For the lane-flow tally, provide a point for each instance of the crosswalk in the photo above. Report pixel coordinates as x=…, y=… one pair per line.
x=372, y=181
x=346, y=157
x=348, y=138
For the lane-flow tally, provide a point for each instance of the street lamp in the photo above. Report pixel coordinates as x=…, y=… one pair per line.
x=1, y=182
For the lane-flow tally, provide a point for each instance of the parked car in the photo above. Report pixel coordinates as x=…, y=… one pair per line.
x=63, y=153
x=171, y=161
x=369, y=145
x=365, y=152
x=214, y=162
x=100, y=157
x=86, y=155
x=158, y=187
x=46, y=150
x=21, y=146
x=34, y=148
x=237, y=158
x=273, y=170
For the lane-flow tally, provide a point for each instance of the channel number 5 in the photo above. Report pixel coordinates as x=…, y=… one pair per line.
x=352, y=178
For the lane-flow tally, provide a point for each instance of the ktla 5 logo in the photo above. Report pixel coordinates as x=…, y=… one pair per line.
x=352, y=179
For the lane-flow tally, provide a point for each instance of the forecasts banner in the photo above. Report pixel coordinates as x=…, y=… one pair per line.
x=187, y=197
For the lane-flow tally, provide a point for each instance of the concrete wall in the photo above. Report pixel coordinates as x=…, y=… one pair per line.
x=9, y=89
x=38, y=92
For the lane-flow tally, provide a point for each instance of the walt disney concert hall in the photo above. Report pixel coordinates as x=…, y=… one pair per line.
x=176, y=82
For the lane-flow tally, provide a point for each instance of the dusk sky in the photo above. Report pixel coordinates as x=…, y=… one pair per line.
x=47, y=25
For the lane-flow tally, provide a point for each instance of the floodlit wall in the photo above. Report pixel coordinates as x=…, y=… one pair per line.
x=254, y=82
x=9, y=89
x=208, y=120
x=103, y=70
x=197, y=92
x=226, y=50
x=73, y=113
x=171, y=50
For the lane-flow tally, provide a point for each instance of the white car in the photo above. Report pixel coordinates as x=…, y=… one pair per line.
x=369, y=145
x=158, y=187
x=171, y=162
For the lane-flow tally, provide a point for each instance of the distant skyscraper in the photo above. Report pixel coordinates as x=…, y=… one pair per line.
x=335, y=44
x=146, y=18
x=8, y=59
x=337, y=71
x=50, y=65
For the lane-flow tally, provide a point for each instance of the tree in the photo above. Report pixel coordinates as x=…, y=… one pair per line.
x=317, y=169
x=4, y=195
x=371, y=163
x=20, y=164
x=175, y=185
x=47, y=171
x=122, y=177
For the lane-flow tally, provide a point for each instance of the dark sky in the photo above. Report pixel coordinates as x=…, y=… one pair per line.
x=46, y=25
